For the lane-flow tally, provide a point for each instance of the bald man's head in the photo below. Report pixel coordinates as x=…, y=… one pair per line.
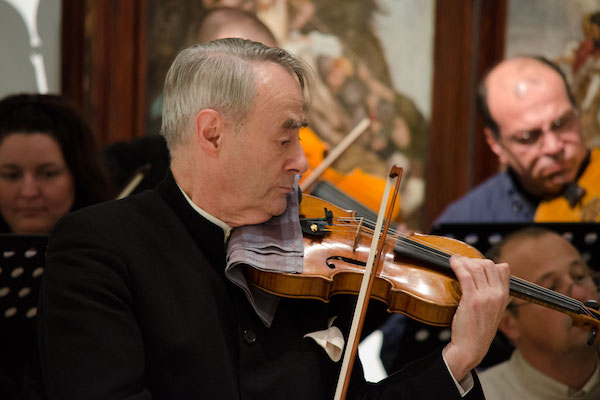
x=225, y=22
x=514, y=78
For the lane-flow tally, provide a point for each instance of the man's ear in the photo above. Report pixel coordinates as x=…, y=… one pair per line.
x=209, y=130
x=509, y=326
x=494, y=144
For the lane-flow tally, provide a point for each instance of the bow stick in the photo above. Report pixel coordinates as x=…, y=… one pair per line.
x=366, y=287
x=350, y=138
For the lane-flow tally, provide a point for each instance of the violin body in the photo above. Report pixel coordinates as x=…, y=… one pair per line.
x=335, y=259
x=587, y=208
x=414, y=276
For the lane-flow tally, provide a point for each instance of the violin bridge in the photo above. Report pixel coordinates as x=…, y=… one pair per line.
x=357, y=234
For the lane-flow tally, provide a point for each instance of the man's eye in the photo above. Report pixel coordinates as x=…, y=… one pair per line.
x=528, y=137
x=562, y=123
x=580, y=276
x=557, y=123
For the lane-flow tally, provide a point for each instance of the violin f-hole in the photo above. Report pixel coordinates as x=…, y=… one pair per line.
x=344, y=259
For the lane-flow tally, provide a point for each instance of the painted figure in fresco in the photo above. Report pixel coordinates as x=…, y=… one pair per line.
x=586, y=78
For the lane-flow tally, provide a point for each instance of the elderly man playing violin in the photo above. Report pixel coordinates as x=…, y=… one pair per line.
x=144, y=298
x=552, y=359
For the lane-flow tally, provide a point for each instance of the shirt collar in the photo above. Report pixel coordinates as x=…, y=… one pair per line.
x=550, y=385
x=226, y=228
x=590, y=384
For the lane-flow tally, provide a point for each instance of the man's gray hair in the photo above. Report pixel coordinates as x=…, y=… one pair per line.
x=219, y=75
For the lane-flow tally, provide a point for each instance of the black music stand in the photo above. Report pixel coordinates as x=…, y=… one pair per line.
x=22, y=260
x=406, y=339
x=585, y=236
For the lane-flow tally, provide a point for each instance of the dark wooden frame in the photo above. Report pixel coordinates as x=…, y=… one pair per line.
x=104, y=71
x=469, y=38
x=103, y=64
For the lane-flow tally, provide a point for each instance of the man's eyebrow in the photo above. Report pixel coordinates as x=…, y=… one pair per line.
x=578, y=263
x=294, y=124
x=552, y=274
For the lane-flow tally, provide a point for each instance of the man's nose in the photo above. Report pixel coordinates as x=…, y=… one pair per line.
x=551, y=142
x=298, y=163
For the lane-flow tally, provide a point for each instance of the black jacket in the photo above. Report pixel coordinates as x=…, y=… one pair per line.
x=134, y=304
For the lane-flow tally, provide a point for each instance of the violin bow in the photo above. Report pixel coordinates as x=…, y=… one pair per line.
x=337, y=151
x=135, y=180
x=366, y=287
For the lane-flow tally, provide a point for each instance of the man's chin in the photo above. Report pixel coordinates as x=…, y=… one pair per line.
x=554, y=184
x=556, y=188
x=279, y=208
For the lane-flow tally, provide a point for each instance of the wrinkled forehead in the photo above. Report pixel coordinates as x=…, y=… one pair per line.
x=274, y=77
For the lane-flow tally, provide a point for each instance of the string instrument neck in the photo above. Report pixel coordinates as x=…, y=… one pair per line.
x=583, y=316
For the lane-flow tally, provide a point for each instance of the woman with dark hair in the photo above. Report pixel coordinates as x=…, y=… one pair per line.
x=49, y=163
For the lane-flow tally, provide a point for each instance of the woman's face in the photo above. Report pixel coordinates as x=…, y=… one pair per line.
x=36, y=187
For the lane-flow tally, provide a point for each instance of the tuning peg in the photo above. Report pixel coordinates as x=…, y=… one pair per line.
x=592, y=336
x=593, y=304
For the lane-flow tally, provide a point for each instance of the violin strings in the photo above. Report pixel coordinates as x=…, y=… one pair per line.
x=426, y=247
x=542, y=293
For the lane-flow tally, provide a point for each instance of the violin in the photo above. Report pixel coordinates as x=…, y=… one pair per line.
x=584, y=206
x=413, y=278
x=356, y=190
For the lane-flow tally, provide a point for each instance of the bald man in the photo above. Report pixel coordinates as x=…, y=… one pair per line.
x=552, y=360
x=225, y=22
x=532, y=125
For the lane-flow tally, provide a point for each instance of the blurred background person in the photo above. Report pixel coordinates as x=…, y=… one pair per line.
x=552, y=359
x=533, y=127
x=49, y=165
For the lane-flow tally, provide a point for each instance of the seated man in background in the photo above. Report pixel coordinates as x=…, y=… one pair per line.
x=532, y=125
x=552, y=359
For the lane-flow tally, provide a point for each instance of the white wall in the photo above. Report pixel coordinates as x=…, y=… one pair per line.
x=17, y=73
x=406, y=31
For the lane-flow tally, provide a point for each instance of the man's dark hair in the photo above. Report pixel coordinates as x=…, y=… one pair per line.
x=482, y=93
